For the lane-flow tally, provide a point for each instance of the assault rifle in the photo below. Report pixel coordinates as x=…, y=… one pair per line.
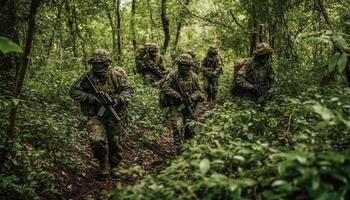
x=156, y=71
x=186, y=98
x=104, y=99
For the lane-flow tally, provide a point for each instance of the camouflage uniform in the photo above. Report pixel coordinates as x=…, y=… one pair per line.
x=196, y=62
x=179, y=116
x=254, y=76
x=148, y=61
x=104, y=131
x=212, y=68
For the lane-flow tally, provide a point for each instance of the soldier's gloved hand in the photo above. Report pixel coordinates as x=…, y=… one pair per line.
x=92, y=99
x=177, y=96
x=117, y=101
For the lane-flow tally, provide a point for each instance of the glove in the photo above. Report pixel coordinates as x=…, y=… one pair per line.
x=92, y=99
x=177, y=96
x=117, y=101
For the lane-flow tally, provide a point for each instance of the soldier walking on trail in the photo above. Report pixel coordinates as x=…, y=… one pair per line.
x=149, y=63
x=196, y=62
x=182, y=92
x=254, y=77
x=212, y=68
x=113, y=92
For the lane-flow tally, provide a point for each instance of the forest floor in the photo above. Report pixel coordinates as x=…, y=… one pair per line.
x=140, y=158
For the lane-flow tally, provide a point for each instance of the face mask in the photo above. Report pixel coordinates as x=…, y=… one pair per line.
x=99, y=69
x=184, y=70
x=263, y=59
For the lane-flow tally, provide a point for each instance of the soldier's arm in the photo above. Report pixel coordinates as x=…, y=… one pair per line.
x=197, y=94
x=77, y=92
x=242, y=79
x=125, y=87
x=168, y=89
x=162, y=64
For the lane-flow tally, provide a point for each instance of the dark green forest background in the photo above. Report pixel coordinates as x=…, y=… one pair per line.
x=296, y=147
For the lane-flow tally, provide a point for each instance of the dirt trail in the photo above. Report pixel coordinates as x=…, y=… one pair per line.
x=146, y=157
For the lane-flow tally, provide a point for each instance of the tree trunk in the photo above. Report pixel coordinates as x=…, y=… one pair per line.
x=132, y=23
x=165, y=23
x=26, y=58
x=179, y=27
x=254, y=27
x=119, y=44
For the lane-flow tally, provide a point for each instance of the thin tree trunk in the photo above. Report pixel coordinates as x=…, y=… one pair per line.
x=179, y=27
x=132, y=22
x=253, y=38
x=119, y=44
x=165, y=23
x=26, y=57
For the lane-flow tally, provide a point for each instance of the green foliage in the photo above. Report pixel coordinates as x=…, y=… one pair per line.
x=7, y=46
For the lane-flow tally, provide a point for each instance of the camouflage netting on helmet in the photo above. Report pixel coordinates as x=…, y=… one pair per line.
x=100, y=56
x=191, y=53
x=152, y=47
x=262, y=49
x=184, y=59
x=212, y=50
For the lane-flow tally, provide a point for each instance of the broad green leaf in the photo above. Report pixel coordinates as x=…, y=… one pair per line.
x=278, y=183
x=204, y=166
x=343, y=60
x=240, y=158
x=7, y=46
x=332, y=62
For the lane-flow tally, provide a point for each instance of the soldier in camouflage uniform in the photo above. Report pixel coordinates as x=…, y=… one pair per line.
x=254, y=77
x=149, y=63
x=179, y=115
x=196, y=62
x=212, y=68
x=104, y=131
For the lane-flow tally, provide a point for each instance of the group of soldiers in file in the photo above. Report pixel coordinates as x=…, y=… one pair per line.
x=104, y=93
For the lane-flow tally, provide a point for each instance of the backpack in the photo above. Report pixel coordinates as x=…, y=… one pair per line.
x=239, y=64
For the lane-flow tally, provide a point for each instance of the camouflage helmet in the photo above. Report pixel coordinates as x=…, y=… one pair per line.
x=262, y=49
x=100, y=56
x=152, y=47
x=184, y=59
x=191, y=53
x=213, y=50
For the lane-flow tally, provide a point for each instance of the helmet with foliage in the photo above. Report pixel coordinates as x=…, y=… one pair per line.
x=184, y=59
x=100, y=56
x=262, y=49
x=152, y=47
x=213, y=51
x=192, y=53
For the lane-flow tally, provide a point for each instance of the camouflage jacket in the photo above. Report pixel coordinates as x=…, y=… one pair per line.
x=247, y=76
x=145, y=64
x=212, y=67
x=189, y=84
x=115, y=84
x=197, y=66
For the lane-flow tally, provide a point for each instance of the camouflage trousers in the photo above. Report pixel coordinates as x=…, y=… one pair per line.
x=180, y=127
x=211, y=87
x=104, y=136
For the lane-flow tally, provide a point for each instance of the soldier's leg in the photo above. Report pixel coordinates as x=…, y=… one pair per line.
x=114, y=130
x=215, y=85
x=177, y=125
x=189, y=129
x=98, y=142
x=207, y=87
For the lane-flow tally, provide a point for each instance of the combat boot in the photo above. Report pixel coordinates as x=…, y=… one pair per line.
x=104, y=170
